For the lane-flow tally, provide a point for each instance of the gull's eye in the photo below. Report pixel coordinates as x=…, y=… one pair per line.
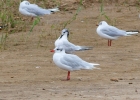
x=57, y=49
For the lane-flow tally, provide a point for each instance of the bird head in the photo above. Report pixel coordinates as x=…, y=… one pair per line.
x=102, y=23
x=64, y=32
x=25, y=2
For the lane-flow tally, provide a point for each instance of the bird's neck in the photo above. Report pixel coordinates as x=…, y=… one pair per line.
x=65, y=37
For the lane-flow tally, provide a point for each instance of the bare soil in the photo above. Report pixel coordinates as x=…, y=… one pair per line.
x=28, y=72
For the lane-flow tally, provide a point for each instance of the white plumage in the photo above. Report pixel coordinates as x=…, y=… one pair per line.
x=33, y=10
x=111, y=33
x=69, y=47
x=70, y=62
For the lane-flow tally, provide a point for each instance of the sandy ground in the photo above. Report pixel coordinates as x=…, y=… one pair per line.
x=28, y=72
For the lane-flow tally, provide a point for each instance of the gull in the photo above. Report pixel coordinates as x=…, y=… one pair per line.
x=34, y=10
x=112, y=33
x=69, y=47
x=70, y=62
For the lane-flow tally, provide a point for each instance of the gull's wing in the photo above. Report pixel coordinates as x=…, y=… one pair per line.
x=112, y=31
x=33, y=8
x=75, y=62
x=69, y=46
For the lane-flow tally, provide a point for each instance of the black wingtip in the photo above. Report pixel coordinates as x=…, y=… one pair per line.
x=133, y=31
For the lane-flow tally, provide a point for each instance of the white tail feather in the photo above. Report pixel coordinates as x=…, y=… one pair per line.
x=132, y=32
x=95, y=65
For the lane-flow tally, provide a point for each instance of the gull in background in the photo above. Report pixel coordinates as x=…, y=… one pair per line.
x=112, y=33
x=69, y=47
x=3, y=26
x=34, y=10
x=70, y=62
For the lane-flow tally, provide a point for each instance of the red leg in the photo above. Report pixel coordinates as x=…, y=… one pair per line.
x=110, y=42
x=68, y=76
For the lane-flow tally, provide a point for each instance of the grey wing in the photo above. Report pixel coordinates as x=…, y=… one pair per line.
x=32, y=8
x=113, y=31
x=72, y=61
x=69, y=46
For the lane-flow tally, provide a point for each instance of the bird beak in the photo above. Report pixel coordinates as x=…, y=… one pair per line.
x=97, y=25
x=52, y=51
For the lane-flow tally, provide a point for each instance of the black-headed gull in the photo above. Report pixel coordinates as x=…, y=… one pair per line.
x=34, y=10
x=111, y=33
x=70, y=62
x=69, y=47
